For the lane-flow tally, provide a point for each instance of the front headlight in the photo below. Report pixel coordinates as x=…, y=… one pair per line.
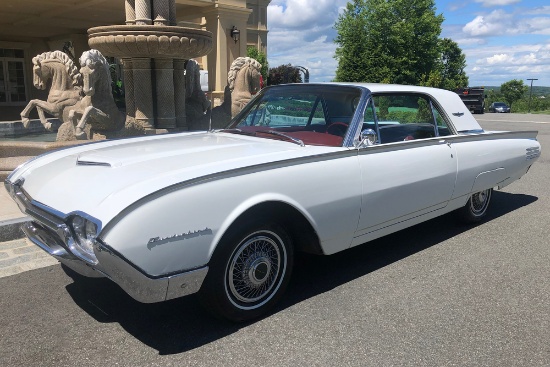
x=85, y=232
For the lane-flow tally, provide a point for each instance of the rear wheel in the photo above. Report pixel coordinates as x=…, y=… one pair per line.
x=248, y=272
x=476, y=207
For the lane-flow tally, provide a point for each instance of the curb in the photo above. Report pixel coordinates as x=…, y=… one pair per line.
x=11, y=229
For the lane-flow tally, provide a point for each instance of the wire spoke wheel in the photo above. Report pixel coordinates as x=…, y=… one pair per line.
x=255, y=269
x=476, y=207
x=249, y=271
x=479, y=202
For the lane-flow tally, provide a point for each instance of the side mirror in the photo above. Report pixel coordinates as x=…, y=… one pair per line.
x=368, y=137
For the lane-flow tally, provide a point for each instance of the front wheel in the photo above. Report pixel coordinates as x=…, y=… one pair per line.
x=248, y=273
x=476, y=207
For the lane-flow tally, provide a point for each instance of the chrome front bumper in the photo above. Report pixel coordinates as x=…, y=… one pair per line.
x=50, y=232
x=113, y=266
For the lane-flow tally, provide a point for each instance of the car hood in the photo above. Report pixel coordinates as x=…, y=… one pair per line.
x=102, y=179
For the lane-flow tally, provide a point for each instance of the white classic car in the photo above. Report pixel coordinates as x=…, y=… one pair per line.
x=317, y=168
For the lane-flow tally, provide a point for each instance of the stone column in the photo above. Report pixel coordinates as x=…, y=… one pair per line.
x=180, y=93
x=144, y=98
x=161, y=12
x=143, y=12
x=172, y=18
x=130, y=7
x=164, y=81
x=129, y=88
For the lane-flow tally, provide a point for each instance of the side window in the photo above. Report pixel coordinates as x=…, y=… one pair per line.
x=403, y=117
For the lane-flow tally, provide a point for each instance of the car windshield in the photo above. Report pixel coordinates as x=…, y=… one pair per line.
x=500, y=104
x=303, y=114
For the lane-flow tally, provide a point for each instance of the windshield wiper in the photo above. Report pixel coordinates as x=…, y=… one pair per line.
x=294, y=140
x=236, y=131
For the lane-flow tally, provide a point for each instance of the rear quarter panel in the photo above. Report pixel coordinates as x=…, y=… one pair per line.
x=487, y=160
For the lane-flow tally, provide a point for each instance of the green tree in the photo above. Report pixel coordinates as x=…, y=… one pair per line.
x=261, y=57
x=392, y=41
x=283, y=74
x=448, y=72
x=352, y=29
x=513, y=90
x=452, y=63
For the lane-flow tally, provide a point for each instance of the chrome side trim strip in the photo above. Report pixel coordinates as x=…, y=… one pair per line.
x=532, y=153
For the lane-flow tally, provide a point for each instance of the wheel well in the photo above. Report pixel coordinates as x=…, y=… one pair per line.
x=303, y=235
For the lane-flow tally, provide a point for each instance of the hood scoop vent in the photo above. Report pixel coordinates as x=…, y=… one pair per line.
x=87, y=159
x=88, y=163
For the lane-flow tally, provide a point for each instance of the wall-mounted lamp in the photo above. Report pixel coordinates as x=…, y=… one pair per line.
x=235, y=34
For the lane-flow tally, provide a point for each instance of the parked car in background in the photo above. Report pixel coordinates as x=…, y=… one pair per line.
x=499, y=107
x=314, y=168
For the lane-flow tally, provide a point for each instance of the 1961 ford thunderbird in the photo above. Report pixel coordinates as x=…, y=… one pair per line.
x=317, y=168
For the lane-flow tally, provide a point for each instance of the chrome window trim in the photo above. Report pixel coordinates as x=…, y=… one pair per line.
x=356, y=124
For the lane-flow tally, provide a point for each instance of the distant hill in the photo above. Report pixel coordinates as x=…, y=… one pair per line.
x=537, y=91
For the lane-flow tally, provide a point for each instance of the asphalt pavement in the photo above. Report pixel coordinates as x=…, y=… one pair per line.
x=437, y=294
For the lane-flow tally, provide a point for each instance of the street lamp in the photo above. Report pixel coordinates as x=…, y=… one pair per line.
x=530, y=92
x=305, y=71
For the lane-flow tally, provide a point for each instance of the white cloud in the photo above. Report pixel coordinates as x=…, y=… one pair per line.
x=301, y=33
x=496, y=23
x=539, y=10
x=303, y=14
x=491, y=3
x=523, y=62
x=539, y=25
x=500, y=23
x=498, y=59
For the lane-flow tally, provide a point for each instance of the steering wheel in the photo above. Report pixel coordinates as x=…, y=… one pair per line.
x=340, y=127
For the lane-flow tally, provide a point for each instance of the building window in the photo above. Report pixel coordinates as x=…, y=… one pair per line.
x=252, y=16
x=263, y=17
x=12, y=77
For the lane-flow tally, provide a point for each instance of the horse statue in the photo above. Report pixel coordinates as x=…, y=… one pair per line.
x=244, y=81
x=65, y=90
x=196, y=103
x=97, y=107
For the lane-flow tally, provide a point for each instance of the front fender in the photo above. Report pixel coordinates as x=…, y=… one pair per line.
x=179, y=228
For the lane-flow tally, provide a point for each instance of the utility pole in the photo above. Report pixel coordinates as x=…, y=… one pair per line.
x=530, y=92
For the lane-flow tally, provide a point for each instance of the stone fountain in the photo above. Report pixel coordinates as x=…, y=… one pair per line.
x=153, y=51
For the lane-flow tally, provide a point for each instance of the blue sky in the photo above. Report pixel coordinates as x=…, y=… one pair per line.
x=502, y=39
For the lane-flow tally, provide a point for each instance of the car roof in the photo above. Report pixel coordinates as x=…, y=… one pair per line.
x=455, y=108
